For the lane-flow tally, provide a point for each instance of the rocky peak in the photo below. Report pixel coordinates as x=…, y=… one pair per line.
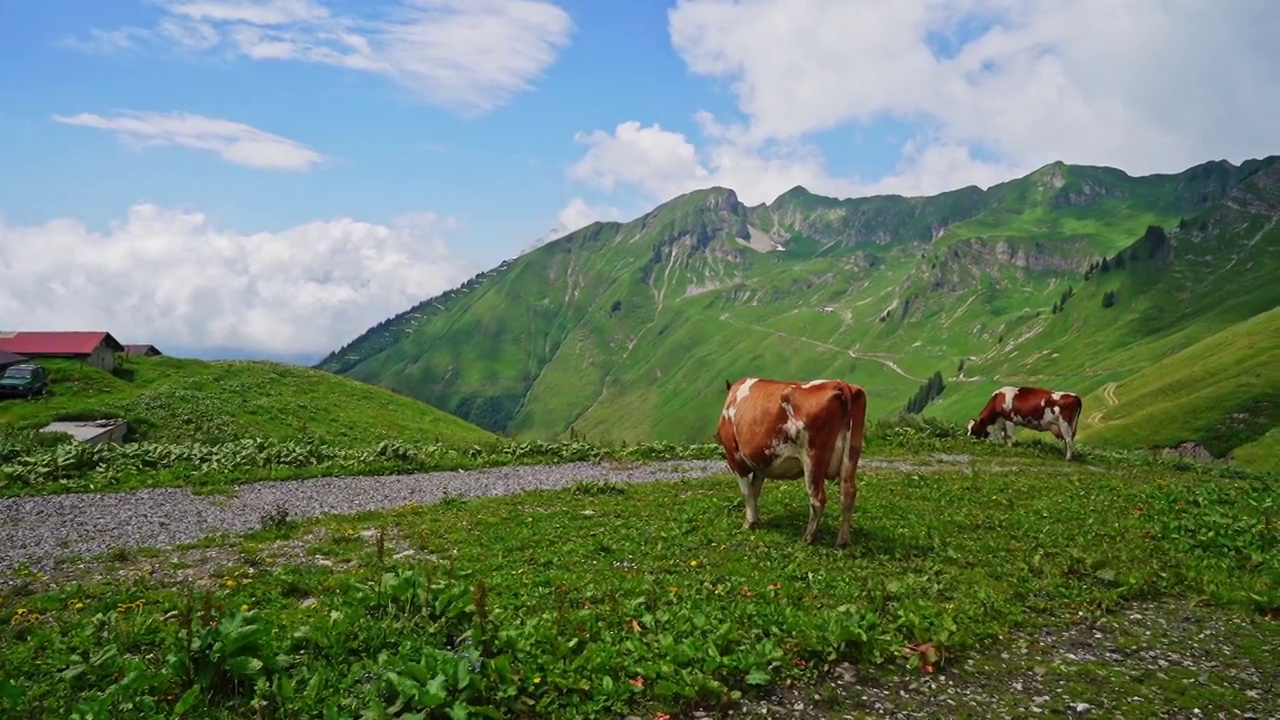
x=1051, y=177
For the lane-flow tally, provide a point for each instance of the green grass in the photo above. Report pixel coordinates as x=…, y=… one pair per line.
x=1262, y=454
x=654, y=599
x=34, y=465
x=41, y=464
x=179, y=400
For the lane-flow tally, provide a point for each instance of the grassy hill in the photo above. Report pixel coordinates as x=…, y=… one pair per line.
x=628, y=330
x=1224, y=390
x=177, y=400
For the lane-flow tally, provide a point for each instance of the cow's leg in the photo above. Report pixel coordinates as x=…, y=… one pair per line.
x=750, y=487
x=1006, y=430
x=1068, y=437
x=848, y=496
x=817, y=497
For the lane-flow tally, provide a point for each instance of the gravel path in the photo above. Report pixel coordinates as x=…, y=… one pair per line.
x=38, y=531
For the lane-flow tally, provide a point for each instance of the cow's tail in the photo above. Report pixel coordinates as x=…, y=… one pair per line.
x=1075, y=419
x=854, y=399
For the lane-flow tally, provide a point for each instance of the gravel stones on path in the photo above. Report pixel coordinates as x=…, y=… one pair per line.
x=38, y=531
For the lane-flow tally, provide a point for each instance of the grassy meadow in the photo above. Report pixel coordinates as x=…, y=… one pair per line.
x=178, y=400
x=216, y=423
x=647, y=599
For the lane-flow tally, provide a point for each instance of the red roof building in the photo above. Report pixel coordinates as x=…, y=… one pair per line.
x=95, y=348
x=141, y=350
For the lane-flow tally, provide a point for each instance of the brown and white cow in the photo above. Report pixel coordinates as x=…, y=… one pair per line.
x=1030, y=407
x=785, y=430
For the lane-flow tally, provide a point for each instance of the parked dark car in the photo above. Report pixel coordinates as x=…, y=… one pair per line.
x=23, y=380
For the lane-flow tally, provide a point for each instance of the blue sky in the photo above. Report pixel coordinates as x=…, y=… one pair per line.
x=311, y=129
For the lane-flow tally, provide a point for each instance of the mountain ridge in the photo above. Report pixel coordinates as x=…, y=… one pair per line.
x=618, y=328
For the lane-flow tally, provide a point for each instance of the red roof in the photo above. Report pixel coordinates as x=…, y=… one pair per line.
x=57, y=343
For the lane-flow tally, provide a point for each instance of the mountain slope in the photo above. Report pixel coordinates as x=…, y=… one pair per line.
x=1223, y=390
x=628, y=330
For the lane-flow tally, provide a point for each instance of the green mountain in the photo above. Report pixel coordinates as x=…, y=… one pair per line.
x=1076, y=277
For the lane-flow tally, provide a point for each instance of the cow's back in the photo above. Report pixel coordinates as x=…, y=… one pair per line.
x=768, y=425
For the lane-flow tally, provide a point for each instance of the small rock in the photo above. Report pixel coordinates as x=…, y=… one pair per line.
x=1081, y=707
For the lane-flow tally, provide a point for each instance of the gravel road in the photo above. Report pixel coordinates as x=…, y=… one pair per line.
x=38, y=531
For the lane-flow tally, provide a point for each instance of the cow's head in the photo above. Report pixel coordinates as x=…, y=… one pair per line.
x=977, y=430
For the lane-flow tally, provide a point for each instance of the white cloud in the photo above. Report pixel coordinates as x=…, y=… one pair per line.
x=575, y=215
x=1145, y=85
x=172, y=277
x=468, y=55
x=578, y=214
x=257, y=12
x=234, y=142
x=104, y=42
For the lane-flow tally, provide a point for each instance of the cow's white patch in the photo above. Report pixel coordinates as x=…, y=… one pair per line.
x=811, y=383
x=1049, y=417
x=1008, y=392
x=838, y=452
x=787, y=450
x=744, y=389
x=1057, y=396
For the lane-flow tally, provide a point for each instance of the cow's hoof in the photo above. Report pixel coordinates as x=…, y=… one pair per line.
x=750, y=525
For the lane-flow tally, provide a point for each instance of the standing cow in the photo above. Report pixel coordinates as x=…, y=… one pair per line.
x=785, y=430
x=1030, y=407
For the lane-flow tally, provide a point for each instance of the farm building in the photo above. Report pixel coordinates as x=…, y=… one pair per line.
x=94, y=348
x=141, y=350
x=7, y=358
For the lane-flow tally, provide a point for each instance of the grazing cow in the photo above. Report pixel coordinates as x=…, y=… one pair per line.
x=1030, y=407
x=785, y=430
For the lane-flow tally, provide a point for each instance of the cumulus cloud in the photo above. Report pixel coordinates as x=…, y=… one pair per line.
x=575, y=215
x=468, y=55
x=995, y=88
x=172, y=277
x=232, y=141
x=578, y=214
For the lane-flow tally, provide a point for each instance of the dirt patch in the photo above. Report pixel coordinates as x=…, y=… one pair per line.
x=204, y=566
x=1166, y=659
